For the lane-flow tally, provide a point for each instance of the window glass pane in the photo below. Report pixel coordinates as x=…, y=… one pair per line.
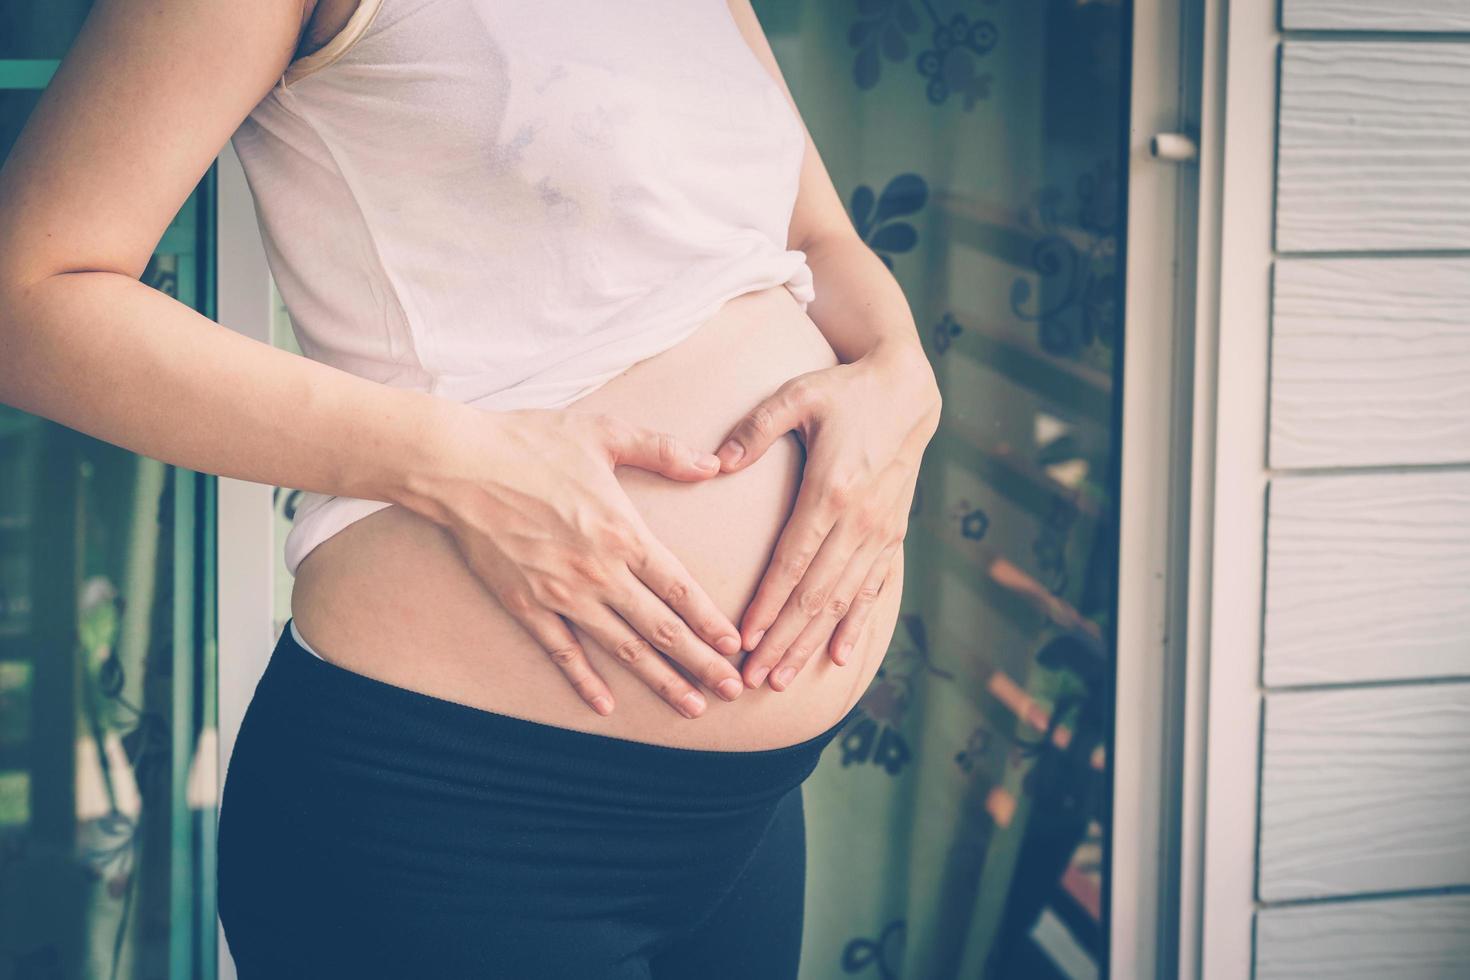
x=40, y=30
x=108, y=752
x=957, y=828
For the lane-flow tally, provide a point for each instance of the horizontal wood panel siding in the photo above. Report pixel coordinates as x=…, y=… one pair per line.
x=1370, y=362
x=1364, y=760
x=1376, y=15
x=1374, y=146
x=1367, y=578
x=1417, y=938
x=1365, y=790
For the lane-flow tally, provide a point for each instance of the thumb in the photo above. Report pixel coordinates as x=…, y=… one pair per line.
x=772, y=418
x=659, y=452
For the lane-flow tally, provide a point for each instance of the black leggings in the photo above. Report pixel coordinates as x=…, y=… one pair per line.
x=370, y=830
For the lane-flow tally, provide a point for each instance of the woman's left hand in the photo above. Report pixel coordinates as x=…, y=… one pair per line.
x=864, y=425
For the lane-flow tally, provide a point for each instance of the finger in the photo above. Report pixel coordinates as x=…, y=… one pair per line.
x=556, y=638
x=806, y=601
x=634, y=652
x=844, y=638
x=819, y=630
x=661, y=572
x=812, y=628
x=774, y=416
x=817, y=508
x=656, y=451
x=672, y=636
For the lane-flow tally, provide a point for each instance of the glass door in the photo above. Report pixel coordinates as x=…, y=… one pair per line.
x=108, y=760
x=958, y=829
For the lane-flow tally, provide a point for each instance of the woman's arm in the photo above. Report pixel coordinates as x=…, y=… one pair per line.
x=865, y=424
x=860, y=307
x=114, y=147
x=137, y=111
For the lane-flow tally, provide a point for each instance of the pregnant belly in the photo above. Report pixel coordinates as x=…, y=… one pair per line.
x=390, y=597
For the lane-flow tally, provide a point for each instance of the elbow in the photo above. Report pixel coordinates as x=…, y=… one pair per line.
x=17, y=280
x=817, y=241
x=16, y=288
x=12, y=294
x=20, y=336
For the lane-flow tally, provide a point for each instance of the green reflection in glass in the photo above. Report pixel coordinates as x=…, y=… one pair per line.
x=108, y=745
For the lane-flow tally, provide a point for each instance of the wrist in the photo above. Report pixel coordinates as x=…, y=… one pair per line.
x=906, y=373
x=431, y=461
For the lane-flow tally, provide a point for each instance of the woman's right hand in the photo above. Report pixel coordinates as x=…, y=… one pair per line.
x=532, y=503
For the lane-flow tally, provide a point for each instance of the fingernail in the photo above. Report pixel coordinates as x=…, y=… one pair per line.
x=729, y=688
x=691, y=704
x=602, y=705
x=842, y=653
x=708, y=462
x=728, y=645
x=759, y=676
x=783, y=677
x=732, y=451
x=755, y=639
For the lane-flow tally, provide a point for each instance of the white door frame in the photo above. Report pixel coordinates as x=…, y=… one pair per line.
x=245, y=545
x=1228, y=506
x=1151, y=708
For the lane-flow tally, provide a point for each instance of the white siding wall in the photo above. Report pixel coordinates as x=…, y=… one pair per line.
x=1376, y=15
x=1358, y=346
x=1409, y=938
x=1362, y=835
x=1367, y=577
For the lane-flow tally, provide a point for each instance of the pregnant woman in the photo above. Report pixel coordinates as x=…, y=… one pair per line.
x=553, y=675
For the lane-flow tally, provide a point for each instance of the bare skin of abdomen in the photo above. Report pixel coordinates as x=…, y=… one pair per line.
x=390, y=597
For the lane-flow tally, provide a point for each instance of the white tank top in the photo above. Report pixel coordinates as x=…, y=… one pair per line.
x=509, y=202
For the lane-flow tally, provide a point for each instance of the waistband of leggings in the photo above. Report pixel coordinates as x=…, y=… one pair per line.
x=353, y=708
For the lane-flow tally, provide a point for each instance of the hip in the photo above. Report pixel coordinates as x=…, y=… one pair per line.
x=364, y=822
x=391, y=598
